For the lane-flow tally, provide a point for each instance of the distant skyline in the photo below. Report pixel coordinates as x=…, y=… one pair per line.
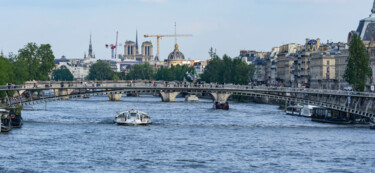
x=227, y=25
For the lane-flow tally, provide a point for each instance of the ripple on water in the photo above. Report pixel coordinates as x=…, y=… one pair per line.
x=79, y=136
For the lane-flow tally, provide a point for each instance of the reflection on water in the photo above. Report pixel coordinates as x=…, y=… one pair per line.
x=79, y=136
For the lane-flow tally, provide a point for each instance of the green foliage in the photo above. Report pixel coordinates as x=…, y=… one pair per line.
x=6, y=71
x=140, y=71
x=358, y=68
x=227, y=70
x=62, y=75
x=33, y=63
x=20, y=71
x=101, y=71
x=19, y=109
x=175, y=73
x=46, y=59
x=120, y=76
x=37, y=61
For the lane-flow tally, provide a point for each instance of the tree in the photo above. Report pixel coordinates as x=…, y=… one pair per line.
x=6, y=73
x=358, y=69
x=101, y=71
x=227, y=70
x=46, y=59
x=62, y=75
x=29, y=57
x=38, y=61
x=141, y=71
x=20, y=70
x=175, y=73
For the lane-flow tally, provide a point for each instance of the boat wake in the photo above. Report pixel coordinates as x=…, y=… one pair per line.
x=107, y=121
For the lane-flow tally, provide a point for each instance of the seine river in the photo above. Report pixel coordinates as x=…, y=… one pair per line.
x=79, y=136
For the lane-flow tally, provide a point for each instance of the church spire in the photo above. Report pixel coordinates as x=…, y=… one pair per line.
x=373, y=8
x=90, y=48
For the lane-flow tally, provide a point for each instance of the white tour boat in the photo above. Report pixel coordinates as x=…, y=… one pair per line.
x=132, y=118
x=191, y=98
x=307, y=110
x=294, y=110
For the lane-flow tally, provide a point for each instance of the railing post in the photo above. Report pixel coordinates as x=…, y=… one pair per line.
x=6, y=93
x=19, y=96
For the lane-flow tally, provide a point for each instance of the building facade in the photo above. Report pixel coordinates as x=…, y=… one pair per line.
x=131, y=51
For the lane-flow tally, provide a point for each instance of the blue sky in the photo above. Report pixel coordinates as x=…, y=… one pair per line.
x=227, y=25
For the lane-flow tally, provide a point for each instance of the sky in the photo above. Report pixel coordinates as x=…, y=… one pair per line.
x=226, y=25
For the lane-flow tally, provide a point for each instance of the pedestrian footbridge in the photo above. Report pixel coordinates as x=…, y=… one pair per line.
x=361, y=103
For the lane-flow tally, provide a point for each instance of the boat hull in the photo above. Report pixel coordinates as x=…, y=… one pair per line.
x=372, y=124
x=330, y=121
x=6, y=129
x=133, y=124
x=223, y=106
x=17, y=121
x=132, y=118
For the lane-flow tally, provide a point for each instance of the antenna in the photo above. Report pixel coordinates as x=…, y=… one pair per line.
x=175, y=33
x=116, y=44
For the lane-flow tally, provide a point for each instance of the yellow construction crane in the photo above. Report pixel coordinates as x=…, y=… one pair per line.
x=161, y=36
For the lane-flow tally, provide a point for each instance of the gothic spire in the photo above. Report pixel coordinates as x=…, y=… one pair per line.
x=90, y=48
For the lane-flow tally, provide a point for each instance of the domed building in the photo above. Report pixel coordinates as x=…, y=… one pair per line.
x=366, y=30
x=176, y=58
x=176, y=54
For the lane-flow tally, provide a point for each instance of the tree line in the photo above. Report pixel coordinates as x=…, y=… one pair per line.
x=33, y=62
x=102, y=71
x=228, y=70
x=220, y=70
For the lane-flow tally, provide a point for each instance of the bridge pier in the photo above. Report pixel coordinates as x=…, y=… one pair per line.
x=63, y=92
x=114, y=97
x=220, y=97
x=168, y=96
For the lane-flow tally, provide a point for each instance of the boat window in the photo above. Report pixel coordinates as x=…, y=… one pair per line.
x=133, y=114
x=329, y=113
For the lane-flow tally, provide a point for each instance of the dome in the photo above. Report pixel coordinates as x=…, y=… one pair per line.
x=176, y=54
x=366, y=28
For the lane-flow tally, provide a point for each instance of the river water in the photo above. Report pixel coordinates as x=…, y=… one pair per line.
x=79, y=136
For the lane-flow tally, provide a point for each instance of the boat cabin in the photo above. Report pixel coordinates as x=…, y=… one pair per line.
x=327, y=115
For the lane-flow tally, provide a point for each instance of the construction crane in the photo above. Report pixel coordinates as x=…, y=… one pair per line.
x=158, y=37
x=113, y=47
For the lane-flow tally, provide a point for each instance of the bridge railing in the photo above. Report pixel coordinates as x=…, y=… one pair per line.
x=83, y=85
